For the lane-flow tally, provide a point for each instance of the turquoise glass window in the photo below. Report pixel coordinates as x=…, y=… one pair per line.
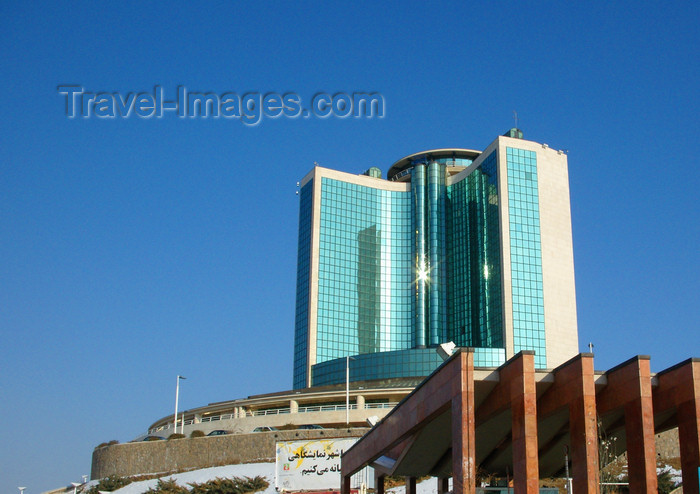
x=526, y=254
x=301, y=318
x=365, y=302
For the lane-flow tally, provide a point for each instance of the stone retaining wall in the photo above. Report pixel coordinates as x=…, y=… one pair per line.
x=668, y=445
x=201, y=452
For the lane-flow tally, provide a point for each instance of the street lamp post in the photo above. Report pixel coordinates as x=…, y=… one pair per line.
x=21, y=490
x=177, y=397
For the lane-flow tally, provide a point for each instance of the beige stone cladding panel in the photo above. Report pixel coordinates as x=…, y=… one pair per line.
x=557, y=257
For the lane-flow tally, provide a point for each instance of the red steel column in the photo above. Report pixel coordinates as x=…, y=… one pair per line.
x=629, y=387
x=378, y=483
x=345, y=485
x=443, y=485
x=688, y=432
x=574, y=389
x=583, y=428
x=516, y=392
x=521, y=376
x=679, y=387
x=463, y=428
x=410, y=485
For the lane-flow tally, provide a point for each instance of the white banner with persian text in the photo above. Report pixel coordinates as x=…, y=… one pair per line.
x=314, y=465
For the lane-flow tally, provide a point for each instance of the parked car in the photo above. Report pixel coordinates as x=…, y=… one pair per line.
x=265, y=428
x=311, y=426
x=153, y=438
x=219, y=432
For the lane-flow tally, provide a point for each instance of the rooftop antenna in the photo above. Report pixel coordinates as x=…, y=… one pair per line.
x=515, y=117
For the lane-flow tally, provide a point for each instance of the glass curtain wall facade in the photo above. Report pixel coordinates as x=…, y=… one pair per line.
x=526, y=254
x=365, y=253
x=390, y=269
x=301, y=338
x=474, y=296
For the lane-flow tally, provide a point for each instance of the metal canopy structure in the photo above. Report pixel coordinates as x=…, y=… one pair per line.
x=519, y=420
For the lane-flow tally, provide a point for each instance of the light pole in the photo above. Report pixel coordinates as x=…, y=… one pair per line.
x=21, y=490
x=347, y=389
x=177, y=397
x=75, y=486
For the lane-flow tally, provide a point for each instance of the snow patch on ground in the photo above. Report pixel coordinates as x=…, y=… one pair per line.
x=676, y=475
x=428, y=486
x=266, y=470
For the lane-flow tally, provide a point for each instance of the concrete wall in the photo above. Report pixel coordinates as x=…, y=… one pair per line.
x=202, y=452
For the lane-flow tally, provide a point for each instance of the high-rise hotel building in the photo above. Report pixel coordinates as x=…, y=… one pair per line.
x=455, y=245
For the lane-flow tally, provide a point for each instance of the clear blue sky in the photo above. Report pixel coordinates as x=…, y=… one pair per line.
x=133, y=250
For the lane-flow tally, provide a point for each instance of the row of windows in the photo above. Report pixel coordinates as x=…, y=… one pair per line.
x=332, y=198
x=370, y=218
x=402, y=265
x=535, y=338
x=521, y=266
x=352, y=190
x=377, y=273
x=338, y=207
x=342, y=237
x=387, y=285
x=528, y=289
x=525, y=277
x=522, y=239
x=525, y=254
x=523, y=208
x=347, y=316
x=332, y=246
x=531, y=331
x=361, y=233
x=394, y=287
x=344, y=307
x=335, y=291
x=346, y=339
x=408, y=363
x=530, y=217
x=350, y=187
